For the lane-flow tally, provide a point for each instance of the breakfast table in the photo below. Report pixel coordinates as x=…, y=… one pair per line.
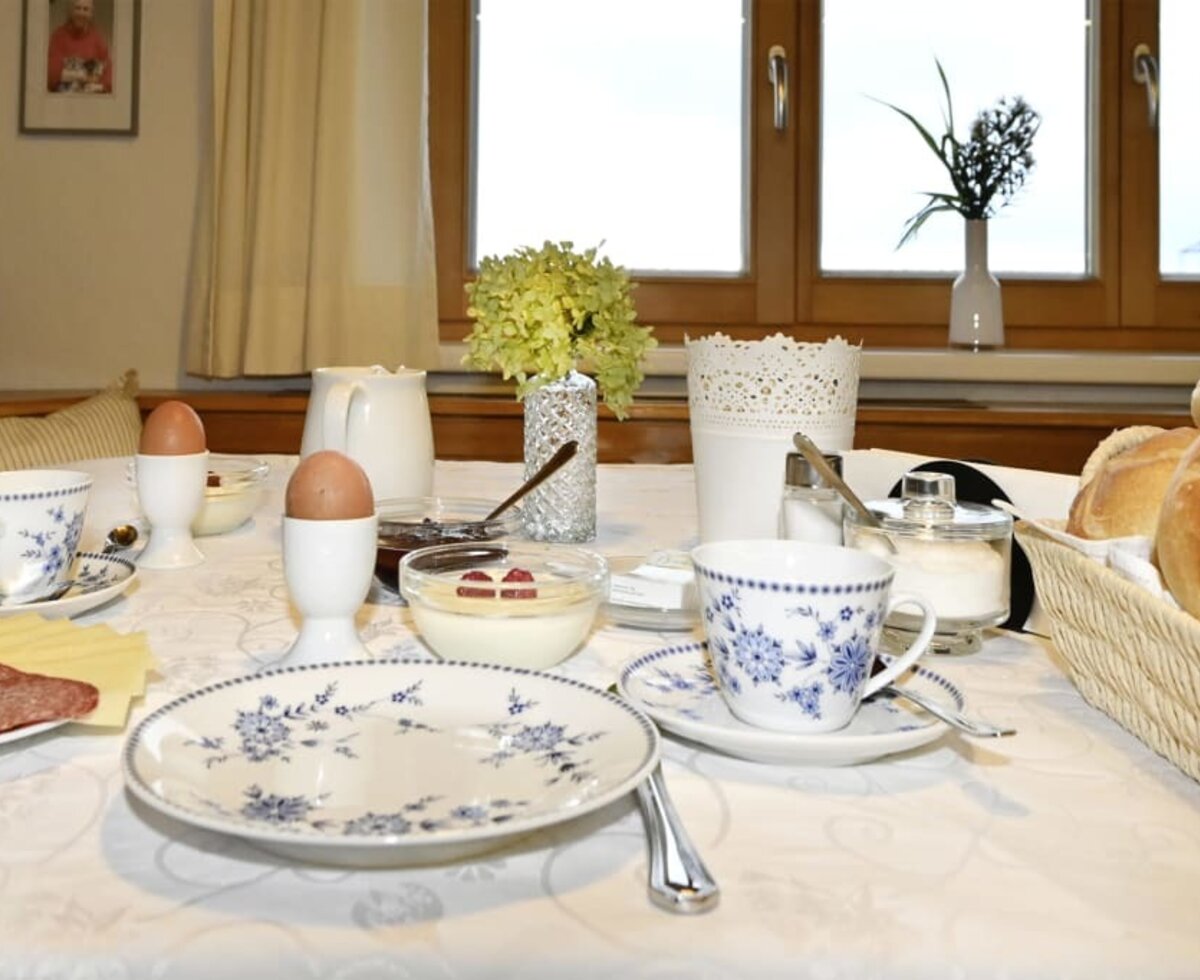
x=1068, y=850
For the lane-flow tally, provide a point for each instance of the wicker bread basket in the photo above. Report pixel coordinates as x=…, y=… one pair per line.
x=1131, y=655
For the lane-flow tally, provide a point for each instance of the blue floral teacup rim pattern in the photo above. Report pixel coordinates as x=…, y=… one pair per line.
x=793, y=629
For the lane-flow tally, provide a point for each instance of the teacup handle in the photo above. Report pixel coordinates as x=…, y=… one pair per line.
x=915, y=649
x=335, y=431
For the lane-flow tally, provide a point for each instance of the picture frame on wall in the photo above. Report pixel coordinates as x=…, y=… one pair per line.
x=79, y=67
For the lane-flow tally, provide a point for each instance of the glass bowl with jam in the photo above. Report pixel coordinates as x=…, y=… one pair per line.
x=409, y=523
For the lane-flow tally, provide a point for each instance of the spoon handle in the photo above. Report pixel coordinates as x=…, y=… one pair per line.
x=561, y=456
x=817, y=459
x=679, y=881
x=951, y=716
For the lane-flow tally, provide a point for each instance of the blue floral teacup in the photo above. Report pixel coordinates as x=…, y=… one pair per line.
x=41, y=518
x=793, y=629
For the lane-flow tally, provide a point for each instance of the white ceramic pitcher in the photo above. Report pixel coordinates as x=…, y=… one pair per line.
x=378, y=419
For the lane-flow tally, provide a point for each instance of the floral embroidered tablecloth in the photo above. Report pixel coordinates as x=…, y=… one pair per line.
x=1069, y=850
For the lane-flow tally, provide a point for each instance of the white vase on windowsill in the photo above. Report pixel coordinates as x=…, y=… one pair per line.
x=976, y=309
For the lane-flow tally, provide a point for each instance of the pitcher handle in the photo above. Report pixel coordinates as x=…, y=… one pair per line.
x=915, y=649
x=335, y=427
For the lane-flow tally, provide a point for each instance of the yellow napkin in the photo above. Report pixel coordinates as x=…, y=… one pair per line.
x=115, y=663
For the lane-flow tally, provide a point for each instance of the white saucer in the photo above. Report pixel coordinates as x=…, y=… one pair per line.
x=98, y=578
x=675, y=687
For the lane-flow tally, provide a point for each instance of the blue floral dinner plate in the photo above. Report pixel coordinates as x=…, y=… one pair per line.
x=379, y=763
x=676, y=687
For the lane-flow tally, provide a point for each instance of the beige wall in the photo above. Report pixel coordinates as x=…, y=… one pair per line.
x=95, y=231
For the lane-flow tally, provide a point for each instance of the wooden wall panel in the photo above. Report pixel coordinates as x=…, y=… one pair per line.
x=478, y=427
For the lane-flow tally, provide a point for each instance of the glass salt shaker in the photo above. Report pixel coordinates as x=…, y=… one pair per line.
x=811, y=510
x=957, y=555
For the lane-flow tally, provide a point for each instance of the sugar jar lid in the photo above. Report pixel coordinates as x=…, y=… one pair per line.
x=799, y=472
x=928, y=507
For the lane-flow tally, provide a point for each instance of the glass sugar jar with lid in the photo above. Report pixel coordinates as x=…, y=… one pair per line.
x=958, y=555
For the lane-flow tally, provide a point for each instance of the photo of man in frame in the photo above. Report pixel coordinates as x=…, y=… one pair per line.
x=78, y=58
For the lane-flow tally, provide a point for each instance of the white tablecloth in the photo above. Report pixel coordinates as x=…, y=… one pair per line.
x=1070, y=850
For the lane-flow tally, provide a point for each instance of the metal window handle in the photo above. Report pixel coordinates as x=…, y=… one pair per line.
x=1145, y=72
x=777, y=76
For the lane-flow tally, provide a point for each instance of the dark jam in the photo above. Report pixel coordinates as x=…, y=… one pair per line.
x=396, y=539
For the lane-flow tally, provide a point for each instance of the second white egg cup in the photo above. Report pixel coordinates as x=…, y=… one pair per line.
x=171, y=493
x=328, y=567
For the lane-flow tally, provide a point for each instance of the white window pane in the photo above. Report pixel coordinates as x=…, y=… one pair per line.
x=874, y=165
x=619, y=122
x=1179, y=138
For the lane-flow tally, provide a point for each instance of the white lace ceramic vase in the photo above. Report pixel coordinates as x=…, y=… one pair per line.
x=976, y=311
x=564, y=507
x=746, y=399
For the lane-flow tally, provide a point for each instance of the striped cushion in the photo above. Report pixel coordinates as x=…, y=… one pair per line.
x=106, y=424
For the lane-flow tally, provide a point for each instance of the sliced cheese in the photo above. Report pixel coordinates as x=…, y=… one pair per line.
x=115, y=664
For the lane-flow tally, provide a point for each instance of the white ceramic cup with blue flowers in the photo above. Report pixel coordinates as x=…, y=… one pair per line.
x=793, y=629
x=41, y=518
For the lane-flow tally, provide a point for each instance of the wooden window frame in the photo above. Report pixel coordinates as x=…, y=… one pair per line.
x=1122, y=306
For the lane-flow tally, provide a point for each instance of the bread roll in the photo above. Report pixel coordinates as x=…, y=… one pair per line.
x=1124, y=485
x=1178, y=543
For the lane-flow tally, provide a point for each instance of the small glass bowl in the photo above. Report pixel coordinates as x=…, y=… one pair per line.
x=517, y=623
x=409, y=523
x=233, y=493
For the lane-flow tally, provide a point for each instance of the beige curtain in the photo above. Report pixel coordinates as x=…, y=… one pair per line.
x=315, y=234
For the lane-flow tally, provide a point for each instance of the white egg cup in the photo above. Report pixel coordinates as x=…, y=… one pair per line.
x=171, y=493
x=328, y=567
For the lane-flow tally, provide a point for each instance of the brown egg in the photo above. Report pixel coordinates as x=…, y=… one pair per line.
x=329, y=486
x=172, y=429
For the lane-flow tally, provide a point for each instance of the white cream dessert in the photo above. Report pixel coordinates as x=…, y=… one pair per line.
x=475, y=620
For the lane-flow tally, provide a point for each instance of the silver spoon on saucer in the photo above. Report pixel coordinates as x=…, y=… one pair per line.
x=120, y=538
x=943, y=712
x=52, y=593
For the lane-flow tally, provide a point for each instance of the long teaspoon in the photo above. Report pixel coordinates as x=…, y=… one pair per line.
x=815, y=457
x=951, y=716
x=561, y=456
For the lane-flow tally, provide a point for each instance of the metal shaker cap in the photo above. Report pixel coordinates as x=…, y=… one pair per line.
x=799, y=472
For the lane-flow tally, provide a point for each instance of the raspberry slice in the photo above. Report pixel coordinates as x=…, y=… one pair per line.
x=475, y=576
x=518, y=575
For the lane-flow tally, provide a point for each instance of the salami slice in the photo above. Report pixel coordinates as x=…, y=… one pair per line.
x=26, y=699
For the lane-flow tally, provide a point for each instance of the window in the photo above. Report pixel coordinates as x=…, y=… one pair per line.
x=728, y=221
x=873, y=164
x=634, y=139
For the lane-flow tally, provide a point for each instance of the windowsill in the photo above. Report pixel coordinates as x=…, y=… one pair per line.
x=1009, y=366
x=982, y=377
x=986, y=378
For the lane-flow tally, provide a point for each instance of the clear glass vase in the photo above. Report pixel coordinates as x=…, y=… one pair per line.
x=564, y=507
